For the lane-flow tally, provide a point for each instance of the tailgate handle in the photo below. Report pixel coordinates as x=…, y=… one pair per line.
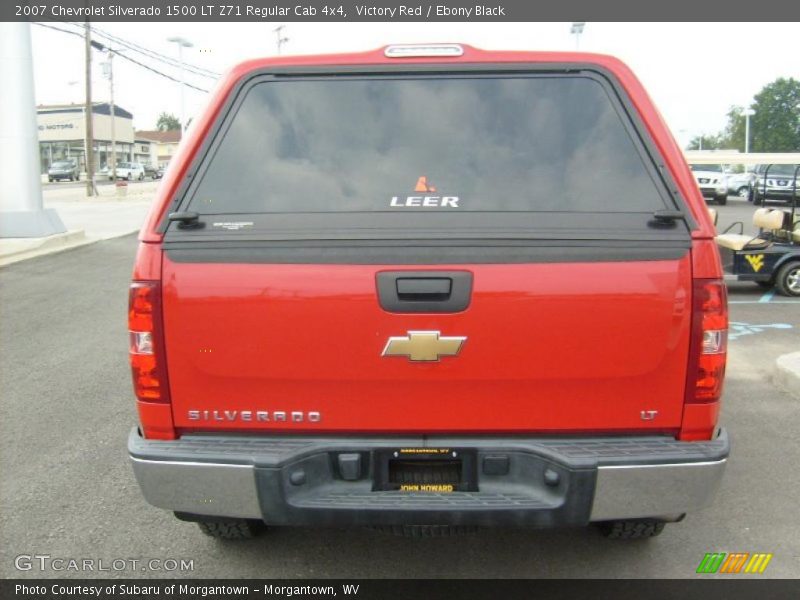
x=424, y=288
x=424, y=291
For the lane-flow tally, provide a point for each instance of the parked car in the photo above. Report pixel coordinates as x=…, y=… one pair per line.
x=712, y=182
x=779, y=180
x=153, y=172
x=741, y=184
x=64, y=169
x=125, y=170
x=130, y=171
x=348, y=317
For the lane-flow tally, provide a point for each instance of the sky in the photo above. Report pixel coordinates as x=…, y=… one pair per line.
x=693, y=71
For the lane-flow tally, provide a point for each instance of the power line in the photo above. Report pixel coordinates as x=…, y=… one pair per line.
x=128, y=58
x=201, y=71
x=157, y=55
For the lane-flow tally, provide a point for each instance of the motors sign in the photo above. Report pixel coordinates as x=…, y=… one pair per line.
x=60, y=126
x=52, y=126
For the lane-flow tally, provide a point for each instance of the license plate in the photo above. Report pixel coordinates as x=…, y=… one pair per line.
x=426, y=470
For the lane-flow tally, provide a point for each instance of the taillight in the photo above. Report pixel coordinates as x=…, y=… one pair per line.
x=146, y=347
x=709, y=345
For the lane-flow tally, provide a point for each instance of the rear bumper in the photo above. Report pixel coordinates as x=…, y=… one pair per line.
x=548, y=481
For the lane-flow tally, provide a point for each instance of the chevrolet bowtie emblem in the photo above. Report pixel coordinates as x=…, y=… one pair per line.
x=427, y=346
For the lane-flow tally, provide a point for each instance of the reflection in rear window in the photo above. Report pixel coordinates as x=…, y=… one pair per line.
x=552, y=143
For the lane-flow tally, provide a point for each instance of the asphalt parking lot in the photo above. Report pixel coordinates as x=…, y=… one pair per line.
x=66, y=488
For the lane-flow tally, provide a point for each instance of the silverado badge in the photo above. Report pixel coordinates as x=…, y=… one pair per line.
x=424, y=346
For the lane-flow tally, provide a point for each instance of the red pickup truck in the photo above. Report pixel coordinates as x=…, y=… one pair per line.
x=428, y=289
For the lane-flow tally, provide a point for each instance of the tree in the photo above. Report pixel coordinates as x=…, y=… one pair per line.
x=776, y=125
x=709, y=142
x=733, y=135
x=167, y=122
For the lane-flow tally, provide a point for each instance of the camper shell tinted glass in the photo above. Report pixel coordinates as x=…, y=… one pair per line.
x=549, y=155
x=536, y=143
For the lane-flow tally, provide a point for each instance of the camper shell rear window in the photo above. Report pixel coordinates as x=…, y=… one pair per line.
x=436, y=153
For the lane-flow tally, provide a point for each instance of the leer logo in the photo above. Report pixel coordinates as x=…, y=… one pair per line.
x=734, y=563
x=756, y=261
x=424, y=201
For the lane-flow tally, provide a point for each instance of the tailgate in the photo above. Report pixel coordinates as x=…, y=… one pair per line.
x=547, y=347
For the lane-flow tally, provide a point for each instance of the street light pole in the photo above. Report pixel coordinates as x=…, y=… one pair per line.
x=280, y=39
x=182, y=43
x=113, y=166
x=748, y=112
x=108, y=72
x=577, y=30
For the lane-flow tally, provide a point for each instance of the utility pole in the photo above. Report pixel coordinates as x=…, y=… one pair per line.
x=280, y=39
x=90, y=188
x=22, y=212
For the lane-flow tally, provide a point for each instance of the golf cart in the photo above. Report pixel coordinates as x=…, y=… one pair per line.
x=772, y=257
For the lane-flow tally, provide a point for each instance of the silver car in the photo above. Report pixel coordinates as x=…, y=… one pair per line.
x=776, y=182
x=741, y=184
x=711, y=181
x=64, y=169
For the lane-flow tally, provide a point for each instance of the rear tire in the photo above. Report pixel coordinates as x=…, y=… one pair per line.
x=631, y=529
x=788, y=279
x=232, y=529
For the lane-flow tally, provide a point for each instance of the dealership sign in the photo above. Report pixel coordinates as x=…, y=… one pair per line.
x=51, y=126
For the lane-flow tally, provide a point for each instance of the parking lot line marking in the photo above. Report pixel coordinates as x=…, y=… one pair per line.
x=761, y=302
x=767, y=297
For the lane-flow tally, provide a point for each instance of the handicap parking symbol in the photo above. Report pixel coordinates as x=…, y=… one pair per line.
x=738, y=329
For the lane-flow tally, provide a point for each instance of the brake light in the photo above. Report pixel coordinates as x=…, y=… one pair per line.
x=709, y=345
x=146, y=347
x=415, y=50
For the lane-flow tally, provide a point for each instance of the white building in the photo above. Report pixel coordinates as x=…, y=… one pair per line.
x=62, y=134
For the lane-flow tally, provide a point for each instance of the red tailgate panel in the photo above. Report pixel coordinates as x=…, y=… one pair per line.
x=550, y=347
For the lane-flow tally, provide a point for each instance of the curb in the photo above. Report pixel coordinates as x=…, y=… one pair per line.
x=16, y=249
x=787, y=372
